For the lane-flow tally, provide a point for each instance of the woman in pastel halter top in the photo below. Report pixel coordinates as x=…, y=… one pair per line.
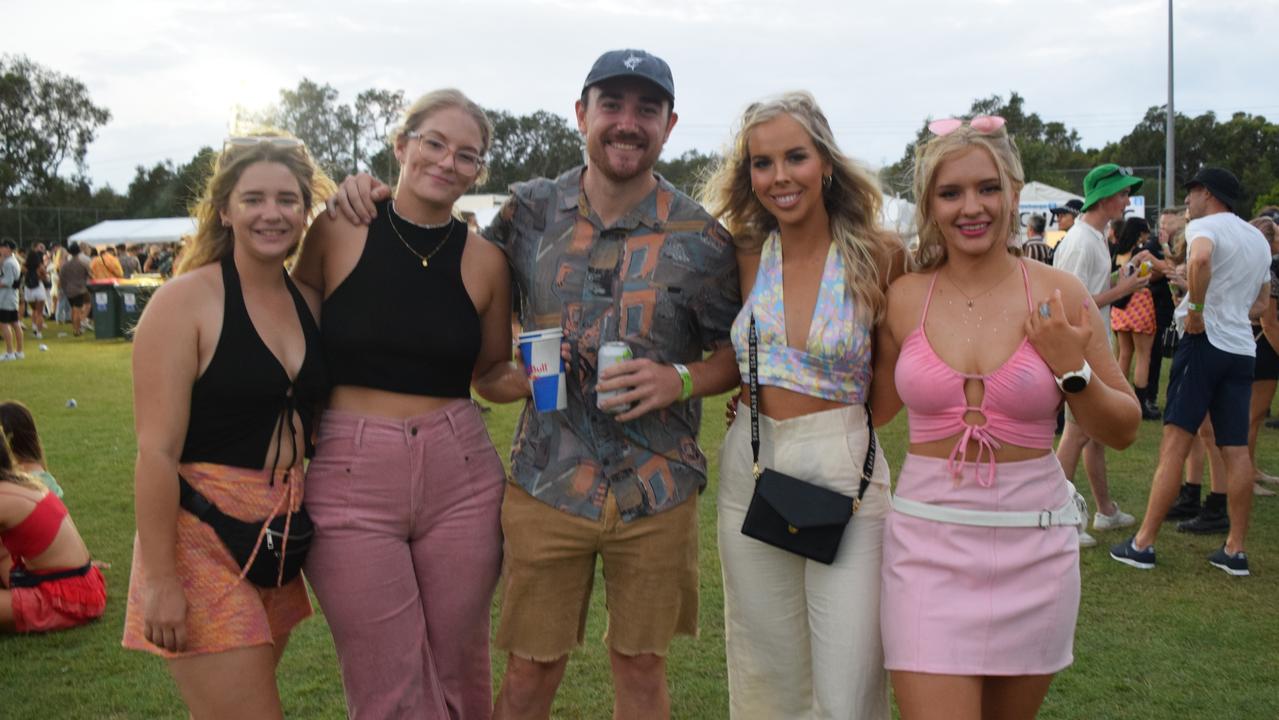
x=981, y=560
x=802, y=637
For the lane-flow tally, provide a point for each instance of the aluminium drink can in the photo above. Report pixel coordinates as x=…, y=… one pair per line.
x=611, y=353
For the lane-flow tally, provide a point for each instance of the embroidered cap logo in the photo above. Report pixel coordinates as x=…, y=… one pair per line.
x=632, y=62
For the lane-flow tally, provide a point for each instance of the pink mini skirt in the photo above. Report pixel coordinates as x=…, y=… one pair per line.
x=964, y=600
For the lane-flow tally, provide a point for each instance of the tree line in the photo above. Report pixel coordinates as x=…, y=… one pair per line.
x=48, y=120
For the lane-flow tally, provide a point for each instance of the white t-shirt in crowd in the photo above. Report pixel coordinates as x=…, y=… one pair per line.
x=10, y=272
x=1083, y=252
x=1240, y=267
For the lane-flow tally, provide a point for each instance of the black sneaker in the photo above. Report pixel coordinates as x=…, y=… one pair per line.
x=1150, y=411
x=1125, y=553
x=1235, y=565
x=1187, y=505
x=1208, y=522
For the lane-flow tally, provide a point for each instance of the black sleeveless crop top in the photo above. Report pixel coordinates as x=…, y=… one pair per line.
x=396, y=325
x=244, y=399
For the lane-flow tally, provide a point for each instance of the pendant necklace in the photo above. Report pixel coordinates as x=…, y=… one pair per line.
x=972, y=298
x=427, y=257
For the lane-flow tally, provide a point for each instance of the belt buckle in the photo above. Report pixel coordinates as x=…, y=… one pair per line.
x=1045, y=519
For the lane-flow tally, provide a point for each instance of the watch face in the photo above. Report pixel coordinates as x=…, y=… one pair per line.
x=1074, y=384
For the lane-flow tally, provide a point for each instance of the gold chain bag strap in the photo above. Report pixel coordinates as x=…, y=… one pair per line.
x=793, y=514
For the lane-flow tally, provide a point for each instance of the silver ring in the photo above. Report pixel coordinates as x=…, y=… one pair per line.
x=1044, y=311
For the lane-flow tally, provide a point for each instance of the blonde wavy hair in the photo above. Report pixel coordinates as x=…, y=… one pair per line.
x=929, y=156
x=1267, y=227
x=852, y=199
x=438, y=100
x=212, y=241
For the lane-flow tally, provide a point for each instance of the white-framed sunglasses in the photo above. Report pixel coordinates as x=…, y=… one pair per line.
x=278, y=141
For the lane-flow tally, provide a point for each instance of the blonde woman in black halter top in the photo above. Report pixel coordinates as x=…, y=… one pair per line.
x=228, y=374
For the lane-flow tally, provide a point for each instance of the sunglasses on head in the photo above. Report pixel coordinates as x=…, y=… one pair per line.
x=284, y=143
x=984, y=124
x=1124, y=171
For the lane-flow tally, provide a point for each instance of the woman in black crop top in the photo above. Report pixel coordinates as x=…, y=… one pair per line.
x=228, y=373
x=406, y=487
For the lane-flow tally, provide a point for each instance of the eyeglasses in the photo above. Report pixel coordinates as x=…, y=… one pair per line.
x=466, y=162
x=278, y=141
x=984, y=124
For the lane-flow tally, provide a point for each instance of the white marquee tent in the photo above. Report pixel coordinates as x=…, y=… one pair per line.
x=136, y=232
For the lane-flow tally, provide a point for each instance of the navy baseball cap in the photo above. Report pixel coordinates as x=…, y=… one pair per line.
x=632, y=63
x=1072, y=207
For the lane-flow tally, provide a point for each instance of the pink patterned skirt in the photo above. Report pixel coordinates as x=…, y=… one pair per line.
x=964, y=600
x=1138, y=316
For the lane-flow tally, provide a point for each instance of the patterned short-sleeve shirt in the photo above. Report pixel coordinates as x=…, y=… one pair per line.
x=662, y=279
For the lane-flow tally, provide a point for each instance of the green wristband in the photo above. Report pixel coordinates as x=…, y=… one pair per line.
x=686, y=379
x=1197, y=307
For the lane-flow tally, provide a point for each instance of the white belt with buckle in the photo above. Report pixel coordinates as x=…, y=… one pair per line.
x=1073, y=512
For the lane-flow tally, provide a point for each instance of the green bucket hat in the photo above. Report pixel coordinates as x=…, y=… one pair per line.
x=1105, y=180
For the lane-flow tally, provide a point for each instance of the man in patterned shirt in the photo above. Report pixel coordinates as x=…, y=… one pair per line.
x=1035, y=248
x=610, y=252
x=606, y=252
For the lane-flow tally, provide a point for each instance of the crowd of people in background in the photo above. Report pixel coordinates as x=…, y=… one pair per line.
x=784, y=284
x=51, y=284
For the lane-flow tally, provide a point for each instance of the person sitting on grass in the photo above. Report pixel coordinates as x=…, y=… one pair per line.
x=47, y=578
x=20, y=432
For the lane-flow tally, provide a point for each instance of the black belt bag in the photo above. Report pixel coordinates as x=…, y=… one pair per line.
x=20, y=577
x=268, y=556
x=792, y=514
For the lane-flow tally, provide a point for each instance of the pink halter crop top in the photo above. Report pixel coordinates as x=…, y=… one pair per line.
x=835, y=362
x=1020, y=402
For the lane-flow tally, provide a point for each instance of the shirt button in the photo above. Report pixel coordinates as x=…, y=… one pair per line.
x=413, y=432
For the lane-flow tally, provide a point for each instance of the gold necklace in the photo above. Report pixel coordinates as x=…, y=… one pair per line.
x=971, y=298
x=427, y=257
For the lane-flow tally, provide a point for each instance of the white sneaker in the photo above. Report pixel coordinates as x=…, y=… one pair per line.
x=1119, y=519
x=38, y=334
x=1086, y=540
x=19, y=356
x=7, y=357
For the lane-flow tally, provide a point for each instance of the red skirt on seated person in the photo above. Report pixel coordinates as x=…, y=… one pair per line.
x=59, y=604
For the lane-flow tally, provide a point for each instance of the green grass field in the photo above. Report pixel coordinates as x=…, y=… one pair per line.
x=1183, y=641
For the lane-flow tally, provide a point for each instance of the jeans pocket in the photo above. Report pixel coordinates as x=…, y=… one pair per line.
x=329, y=480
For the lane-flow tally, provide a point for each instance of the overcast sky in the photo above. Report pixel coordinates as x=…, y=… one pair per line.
x=172, y=72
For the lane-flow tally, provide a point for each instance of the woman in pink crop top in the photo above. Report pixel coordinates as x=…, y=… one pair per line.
x=803, y=637
x=47, y=581
x=981, y=560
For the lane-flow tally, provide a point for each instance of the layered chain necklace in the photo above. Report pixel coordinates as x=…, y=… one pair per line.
x=426, y=259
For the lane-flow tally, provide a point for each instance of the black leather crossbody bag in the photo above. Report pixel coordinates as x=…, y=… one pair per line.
x=793, y=514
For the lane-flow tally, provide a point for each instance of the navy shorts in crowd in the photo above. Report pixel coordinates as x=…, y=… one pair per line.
x=1206, y=381
x=1267, y=361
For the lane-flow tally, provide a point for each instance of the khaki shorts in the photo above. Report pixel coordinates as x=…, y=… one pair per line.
x=548, y=568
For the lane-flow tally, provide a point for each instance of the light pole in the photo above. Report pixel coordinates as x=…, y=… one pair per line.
x=1169, y=139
